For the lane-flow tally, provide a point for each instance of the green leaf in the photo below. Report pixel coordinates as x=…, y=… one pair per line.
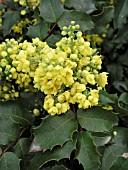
x=9, y=161
x=56, y=167
x=82, y=5
x=122, y=36
x=22, y=147
x=101, y=139
x=51, y=10
x=53, y=39
x=116, y=71
x=56, y=154
x=13, y=110
x=2, y=6
x=115, y=150
x=10, y=19
x=9, y=130
x=105, y=98
x=86, y=153
x=123, y=101
x=39, y=30
x=55, y=130
x=97, y=119
x=102, y=19
x=80, y=18
x=120, y=163
x=120, y=13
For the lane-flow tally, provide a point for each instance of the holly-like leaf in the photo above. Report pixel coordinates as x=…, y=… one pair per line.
x=56, y=154
x=120, y=13
x=14, y=111
x=9, y=161
x=56, y=167
x=21, y=149
x=105, y=98
x=10, y=19
x=123, y=102
x=9, y=130
x=120, y=163
x=121, y=37
x=118, y=148
x=39, y=30
x=55, y=130
x=82, y=5
x=102, y=19
x=51, y=10
x=86, y=153
x=80, y=18
x=97, y=119
x=101, y=139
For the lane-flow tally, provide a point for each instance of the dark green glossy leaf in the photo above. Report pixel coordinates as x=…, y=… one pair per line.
x=116, y=71
x=105, y=98
x=102, y=19
x=96, y=119
x=86, y=151
x=118, y=148
x=101, y=139
x=51, y=10
x=82, y=5
x=81, y=18
x=9, y=161
x=39, y=30
x=120, y=163
x=10, y=19
x=120, y=13
x=14, y=111
x=123, y=101
x=51, y=40
x=9, y=130
x=55, y=130
x=56, y=154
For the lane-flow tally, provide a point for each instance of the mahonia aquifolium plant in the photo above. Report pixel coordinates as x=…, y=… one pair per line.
x=68, y=74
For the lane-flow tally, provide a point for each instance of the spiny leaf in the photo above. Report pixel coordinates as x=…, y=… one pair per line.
x=9, y=130
x=102, y=19
x=115, y=150
x=51, y=10
x=10, y=19
x=13, y=110
x=82, y=5
x=39, y=30
x=80, y=18
x=9, y=161
x=86, y=153
x=56, y=154
x=120, y=163
x=55, y=130
x=101, y=139
x=96, y=119
x=120, y=13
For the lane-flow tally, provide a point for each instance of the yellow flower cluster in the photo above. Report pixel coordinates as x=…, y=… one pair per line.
x=18, y=62
x=69, y=73
x=28, y=3
x=18, y=28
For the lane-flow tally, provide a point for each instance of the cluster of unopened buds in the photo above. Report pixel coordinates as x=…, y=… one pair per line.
x=68, y=74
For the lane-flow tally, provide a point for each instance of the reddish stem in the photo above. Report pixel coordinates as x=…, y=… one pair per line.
x=14, y=142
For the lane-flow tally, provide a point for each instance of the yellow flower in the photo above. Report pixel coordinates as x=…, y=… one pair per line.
x=53, y=110
x=101, y=79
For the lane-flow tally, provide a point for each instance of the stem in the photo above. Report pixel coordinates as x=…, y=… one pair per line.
x=14, y=142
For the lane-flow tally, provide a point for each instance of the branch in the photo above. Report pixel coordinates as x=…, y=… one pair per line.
x=14, y=142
